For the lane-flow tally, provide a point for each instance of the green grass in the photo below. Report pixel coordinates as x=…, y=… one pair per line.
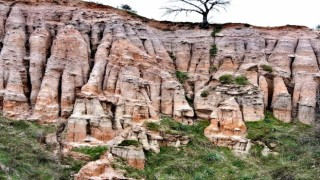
x=93, y=152
x=152, y=126
x=182, y=76
x=297, y=145
x=213, y=50
x=298, y=156
x=267, y=68
x=217, y=28
x=226, y=79
x=241, y=80
x=26, y=158
x=129, y=143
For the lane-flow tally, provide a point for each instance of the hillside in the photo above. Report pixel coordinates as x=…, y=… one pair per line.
x=297, y=147
x=106, y=76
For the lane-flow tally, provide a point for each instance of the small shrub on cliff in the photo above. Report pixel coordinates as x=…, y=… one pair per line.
x=204, y=94
x=226, y=79
x=128, y=8
x=129, y=143
x=213, y=50
x=93, y=152
x=213, y=69
x=267, y=68
x=217, y=28
x=182, y=76
x=241, y=80
x=152, y=126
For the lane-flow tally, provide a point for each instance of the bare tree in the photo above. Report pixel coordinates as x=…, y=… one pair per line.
x=203, y=7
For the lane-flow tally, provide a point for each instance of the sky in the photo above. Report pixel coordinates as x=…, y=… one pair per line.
x=254, y=12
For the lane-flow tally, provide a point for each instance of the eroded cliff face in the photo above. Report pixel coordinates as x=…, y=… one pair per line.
x=105, y=72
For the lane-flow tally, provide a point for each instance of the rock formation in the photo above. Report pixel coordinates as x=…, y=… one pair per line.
x=227, y=127
x=105, y=72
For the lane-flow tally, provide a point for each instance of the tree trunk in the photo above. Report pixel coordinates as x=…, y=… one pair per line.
x=205, y=23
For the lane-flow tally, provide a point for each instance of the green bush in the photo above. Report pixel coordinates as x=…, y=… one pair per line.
x=93, y=152
x=213, y=50
x=267, y=68
x=217, y=28
x=226, y=79
x=182, y=76
x=204, y=94
x=213, y=69
x=241, y=80
x=129, y=143
x=152, y=126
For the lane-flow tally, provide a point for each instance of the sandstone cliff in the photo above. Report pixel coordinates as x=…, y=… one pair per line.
x=105, y=71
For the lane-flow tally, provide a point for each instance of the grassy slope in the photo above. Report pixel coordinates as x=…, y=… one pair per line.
x=298, y=148
x=21, y=152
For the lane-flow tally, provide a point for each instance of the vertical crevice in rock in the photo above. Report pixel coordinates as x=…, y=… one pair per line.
x=29, y=83
x=296, y=46
x=315, y=53
x=270, y=92
x=318, y=103
x=96, y=32
x=88, y=128
x=245, y=45
x=292, y=58
x=59, y=95
x=190, y=55
x=113, y=111
x=275, y=45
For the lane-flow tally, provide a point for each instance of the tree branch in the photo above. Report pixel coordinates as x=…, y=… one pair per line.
x=189, y=3
x=179, y=10
x=219, y=3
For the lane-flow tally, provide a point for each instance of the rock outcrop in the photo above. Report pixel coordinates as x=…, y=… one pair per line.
x=281, y=101
x=65, y=53
x=227, y=127
x=133, y=155
x=100, y=169
x=105, y=72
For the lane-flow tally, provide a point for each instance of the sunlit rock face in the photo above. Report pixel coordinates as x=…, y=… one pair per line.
x=105, y=72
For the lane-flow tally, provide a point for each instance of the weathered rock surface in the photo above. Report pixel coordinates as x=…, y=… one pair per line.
x=281, y=101
x=105, y=72
x=227, y=127
x=133, y=155
x=63, y=53
x=100, y=169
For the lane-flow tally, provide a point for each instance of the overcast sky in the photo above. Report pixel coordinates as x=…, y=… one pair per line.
x=255, y=12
